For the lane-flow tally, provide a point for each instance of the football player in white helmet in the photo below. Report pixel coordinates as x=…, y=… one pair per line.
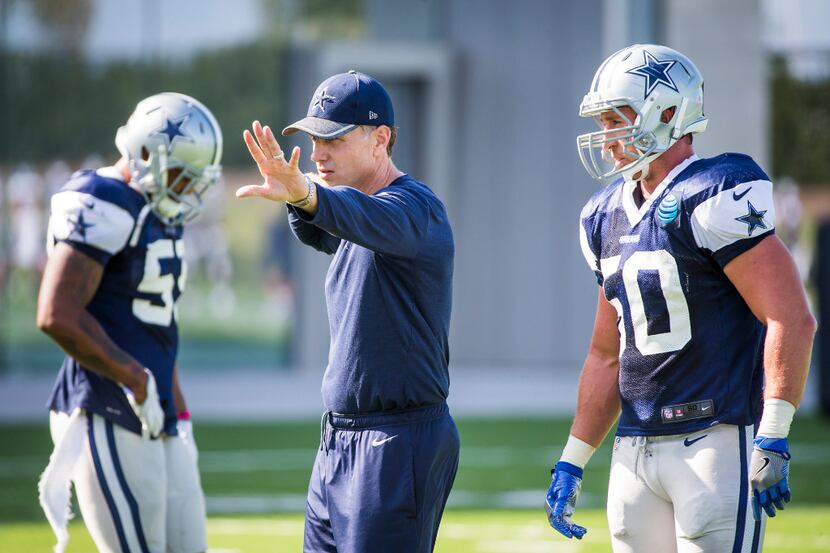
x=118, y=417
x=656, y=93
x=702, y=326
x=172, y=166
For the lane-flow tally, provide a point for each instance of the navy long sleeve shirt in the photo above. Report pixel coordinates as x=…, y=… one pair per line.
x=388, y=294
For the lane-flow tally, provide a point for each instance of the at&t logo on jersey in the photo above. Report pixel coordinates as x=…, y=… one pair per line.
x=668, y=210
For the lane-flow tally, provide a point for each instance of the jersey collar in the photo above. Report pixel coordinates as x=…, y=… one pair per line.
x=634, y=213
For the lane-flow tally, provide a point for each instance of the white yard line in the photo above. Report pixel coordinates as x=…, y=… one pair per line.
x=289, y=459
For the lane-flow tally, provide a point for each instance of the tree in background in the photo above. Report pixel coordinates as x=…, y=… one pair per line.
x=800, y=117
x=66, y=24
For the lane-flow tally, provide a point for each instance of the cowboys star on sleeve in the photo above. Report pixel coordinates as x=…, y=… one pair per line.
x=734, y=219
x=83, y=219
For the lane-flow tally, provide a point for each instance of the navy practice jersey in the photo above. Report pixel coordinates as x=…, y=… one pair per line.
x=388, y=293
x=691, y=351
x=144, y=274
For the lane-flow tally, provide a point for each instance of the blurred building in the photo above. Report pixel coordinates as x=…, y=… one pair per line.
x=486, y=96
x=797, y=30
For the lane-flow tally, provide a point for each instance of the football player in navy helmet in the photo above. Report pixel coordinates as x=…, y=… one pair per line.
x=702, y=326
x=115, y=272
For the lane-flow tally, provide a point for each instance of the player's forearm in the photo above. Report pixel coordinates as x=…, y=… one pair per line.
x=787, y=352
x=83, y=338
x=598, y=399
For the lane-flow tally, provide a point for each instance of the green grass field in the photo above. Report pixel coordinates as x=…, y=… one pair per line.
x=255, y=475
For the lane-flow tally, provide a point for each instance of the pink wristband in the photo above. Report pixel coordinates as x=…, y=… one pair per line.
x=183, y=416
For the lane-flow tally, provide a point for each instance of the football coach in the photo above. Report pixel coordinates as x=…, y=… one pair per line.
x=388, y=446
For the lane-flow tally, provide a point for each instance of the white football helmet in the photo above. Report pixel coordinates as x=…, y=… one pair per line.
x=650, y=79
x=174, y=146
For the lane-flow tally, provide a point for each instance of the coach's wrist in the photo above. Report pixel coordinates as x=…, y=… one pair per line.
x=308, y=198
x=577, y=452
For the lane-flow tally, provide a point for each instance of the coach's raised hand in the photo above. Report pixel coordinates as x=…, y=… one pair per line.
x=283, y=179
x=561, y=499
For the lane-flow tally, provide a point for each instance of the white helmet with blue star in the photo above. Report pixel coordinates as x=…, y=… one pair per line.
x=648, y=78
x=173, y=145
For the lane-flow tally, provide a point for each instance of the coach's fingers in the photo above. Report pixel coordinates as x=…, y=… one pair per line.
x=271, y=144
x=253, y=147
x=294, y=162
x=252, y=190
x=266, y=140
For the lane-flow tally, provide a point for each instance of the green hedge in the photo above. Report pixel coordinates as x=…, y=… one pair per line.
x=800, y=117
x=64, y=108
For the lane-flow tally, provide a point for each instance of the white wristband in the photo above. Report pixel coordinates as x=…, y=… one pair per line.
x=577, y=452
x=777, y=417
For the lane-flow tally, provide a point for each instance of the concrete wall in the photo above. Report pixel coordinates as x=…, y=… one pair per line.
x=524, y=295
x=724, y=39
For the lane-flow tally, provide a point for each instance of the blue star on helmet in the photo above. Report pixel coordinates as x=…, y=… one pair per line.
x=173, y=128
x=321, y=99
x=79, y=226
x=655, y=72
x=754, y=219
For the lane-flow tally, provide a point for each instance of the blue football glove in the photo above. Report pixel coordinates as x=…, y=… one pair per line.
x=768, y=475
x=561, y=499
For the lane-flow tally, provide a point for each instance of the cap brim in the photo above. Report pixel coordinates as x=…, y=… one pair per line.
x=320, y=128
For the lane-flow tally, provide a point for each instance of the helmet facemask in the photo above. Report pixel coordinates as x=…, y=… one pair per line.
x=174, y=191
x=635, y=142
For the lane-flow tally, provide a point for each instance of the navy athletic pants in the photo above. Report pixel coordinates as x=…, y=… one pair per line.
x=380, y=481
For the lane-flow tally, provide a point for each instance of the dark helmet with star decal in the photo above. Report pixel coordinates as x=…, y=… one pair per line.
x=648, y=78
x=174, y=146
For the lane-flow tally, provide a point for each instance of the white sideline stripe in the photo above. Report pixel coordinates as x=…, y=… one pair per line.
x=298, y=459
x=256, y=503
x=515, y=499
x=233, y=526
x=276, y=460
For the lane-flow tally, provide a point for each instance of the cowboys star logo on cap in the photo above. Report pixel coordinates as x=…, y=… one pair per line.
x=322, y=98
x=655, y=71
x=355, y=99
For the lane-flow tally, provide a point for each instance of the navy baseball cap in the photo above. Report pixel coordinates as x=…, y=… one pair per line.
x=343, y=102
